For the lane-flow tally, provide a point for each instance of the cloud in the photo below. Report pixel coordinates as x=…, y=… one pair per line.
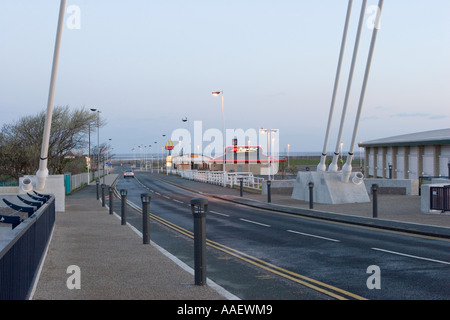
x=438, y=117
x=410, y=115
x=370, y=118
x=419, y=115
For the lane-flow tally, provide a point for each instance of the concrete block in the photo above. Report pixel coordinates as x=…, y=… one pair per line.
x=279, y=187
x=328, y=188
x=54, y=184
x=410, y=186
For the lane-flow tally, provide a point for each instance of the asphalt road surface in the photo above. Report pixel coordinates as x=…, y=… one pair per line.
x=261, y=254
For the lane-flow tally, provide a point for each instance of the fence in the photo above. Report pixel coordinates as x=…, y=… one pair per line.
x=21, y=252
x=78, y=180
x=217, y=177
x=440, y=198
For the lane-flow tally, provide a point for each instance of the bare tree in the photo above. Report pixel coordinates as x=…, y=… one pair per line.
x=20, y=142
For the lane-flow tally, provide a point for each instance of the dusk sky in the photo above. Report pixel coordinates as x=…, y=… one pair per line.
x=148, y=64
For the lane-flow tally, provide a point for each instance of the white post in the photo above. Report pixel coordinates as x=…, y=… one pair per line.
x=224, y=145
x=42, y=172
x=333, y=166
x=321, y=166
x=347, y=168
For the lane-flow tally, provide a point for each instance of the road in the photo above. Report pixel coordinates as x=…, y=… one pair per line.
x=262, y=254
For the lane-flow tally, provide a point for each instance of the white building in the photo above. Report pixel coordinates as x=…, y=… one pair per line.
x=408, y=156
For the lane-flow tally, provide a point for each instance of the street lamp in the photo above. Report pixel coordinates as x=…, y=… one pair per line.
x=269, y=148
x=288, y=154
x=42, y=172
x=98, y=141
x=89, y=154
x=109, y=154
x=156, y=154
x=216, y=93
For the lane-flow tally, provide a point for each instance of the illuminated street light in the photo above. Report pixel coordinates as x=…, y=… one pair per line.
x=216, y=93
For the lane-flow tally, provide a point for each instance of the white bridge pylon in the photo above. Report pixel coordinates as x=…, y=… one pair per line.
x=334, y=184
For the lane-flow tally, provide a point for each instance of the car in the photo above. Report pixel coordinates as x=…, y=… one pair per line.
x=128, y=173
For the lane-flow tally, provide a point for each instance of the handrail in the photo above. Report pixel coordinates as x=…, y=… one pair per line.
x=216, y=177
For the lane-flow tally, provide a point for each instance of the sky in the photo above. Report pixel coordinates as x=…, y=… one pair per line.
x=146, y=65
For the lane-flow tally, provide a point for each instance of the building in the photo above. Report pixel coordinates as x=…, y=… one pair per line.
x=191, y=161
x=246, y=159
x=408, y=156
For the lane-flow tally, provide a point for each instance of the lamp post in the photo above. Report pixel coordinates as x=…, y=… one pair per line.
x=269, y=149
x=216, y=93
x=98, y=141
x=89, y=154
x=42, y=172
x=248, y=155
x=288, y=154
x=156, y=154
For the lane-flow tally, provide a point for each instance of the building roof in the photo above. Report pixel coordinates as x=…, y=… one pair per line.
x=433, y=137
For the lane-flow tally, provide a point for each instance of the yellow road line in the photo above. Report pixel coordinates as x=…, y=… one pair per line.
x=275, y=211
x=287, y=274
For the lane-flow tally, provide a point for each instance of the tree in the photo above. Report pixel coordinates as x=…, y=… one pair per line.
x=20, y=142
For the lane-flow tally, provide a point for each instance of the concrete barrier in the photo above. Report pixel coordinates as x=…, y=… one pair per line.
x=394, y=186
x=279, y=187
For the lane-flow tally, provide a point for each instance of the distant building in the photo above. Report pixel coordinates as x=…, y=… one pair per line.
x=191, y=161
x=246, y=159
x=408, y=156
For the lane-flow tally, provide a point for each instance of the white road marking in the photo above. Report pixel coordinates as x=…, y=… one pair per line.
x=219, y=213
x=411, y=256
x=254, y=222
x=312, y=235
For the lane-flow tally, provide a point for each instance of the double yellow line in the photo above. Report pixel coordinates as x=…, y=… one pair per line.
x=316, y=285
x=308, y=282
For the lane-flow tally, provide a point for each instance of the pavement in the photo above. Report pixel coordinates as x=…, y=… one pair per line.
x=113, y=264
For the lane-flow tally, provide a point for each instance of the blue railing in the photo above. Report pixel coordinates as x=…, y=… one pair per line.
x=21, y=252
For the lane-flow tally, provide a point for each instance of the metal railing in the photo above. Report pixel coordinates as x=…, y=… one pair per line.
x=440, y=198
x=21, y=252
x=216, y=177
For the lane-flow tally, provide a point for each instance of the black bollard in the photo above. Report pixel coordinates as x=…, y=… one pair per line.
x=123, y=216
x=269, y=196
x=375, y=201
x=199, y=207
x=448, y=167
x=241, y=181
x=145, y=198
x=98, y=191
x=103, y=194
x=111, y=199
x=311, y=195
x=390, y=171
